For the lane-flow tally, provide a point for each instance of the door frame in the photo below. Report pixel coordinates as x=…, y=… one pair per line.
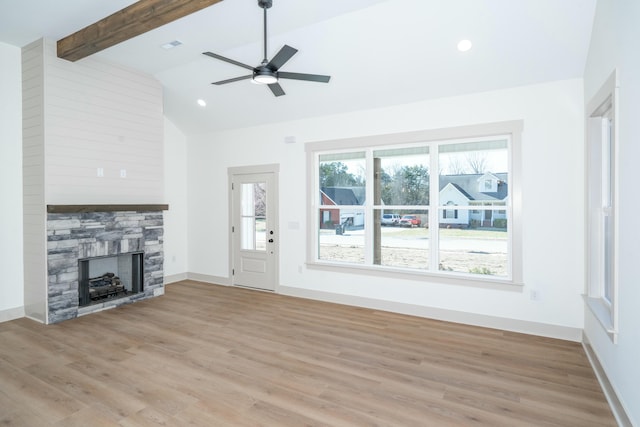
x=273, y=168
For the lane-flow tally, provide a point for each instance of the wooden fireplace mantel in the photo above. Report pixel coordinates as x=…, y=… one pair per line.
x=104, y=208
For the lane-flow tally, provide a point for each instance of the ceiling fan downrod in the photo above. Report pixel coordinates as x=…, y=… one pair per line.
x=265, y=4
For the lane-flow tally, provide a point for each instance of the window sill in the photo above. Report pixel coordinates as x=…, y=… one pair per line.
x=421, y=276
x=603, y=314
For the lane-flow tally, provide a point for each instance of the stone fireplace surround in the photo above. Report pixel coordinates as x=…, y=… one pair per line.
x=83, y=231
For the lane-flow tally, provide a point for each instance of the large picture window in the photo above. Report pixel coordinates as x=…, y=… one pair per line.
x=426, y=203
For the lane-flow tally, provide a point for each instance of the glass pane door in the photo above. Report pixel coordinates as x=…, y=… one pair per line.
x=253, y=209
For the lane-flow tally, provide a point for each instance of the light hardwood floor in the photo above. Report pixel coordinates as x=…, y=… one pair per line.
x=215, y=356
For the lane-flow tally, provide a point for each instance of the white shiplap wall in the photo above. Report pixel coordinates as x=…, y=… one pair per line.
x=99, y=115
x=79, y=117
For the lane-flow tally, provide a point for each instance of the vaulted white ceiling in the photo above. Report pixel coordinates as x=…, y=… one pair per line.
x=378, y=52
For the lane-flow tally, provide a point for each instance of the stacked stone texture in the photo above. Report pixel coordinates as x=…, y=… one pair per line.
x=75, y=236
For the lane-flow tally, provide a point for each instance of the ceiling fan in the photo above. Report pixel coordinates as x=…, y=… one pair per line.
x=268, y=71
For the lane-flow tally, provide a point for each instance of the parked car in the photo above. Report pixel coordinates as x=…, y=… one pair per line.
x=410, y=221
x=390, y=219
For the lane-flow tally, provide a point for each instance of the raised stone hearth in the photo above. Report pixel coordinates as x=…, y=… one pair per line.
x=88, y=233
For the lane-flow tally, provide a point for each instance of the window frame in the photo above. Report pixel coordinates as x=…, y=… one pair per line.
x=603, y=106
x=511, y=129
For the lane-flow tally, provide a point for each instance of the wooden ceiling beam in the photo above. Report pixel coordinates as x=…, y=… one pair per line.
x=133, y=20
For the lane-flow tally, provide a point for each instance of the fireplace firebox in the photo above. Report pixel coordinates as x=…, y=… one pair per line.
x=109, y=277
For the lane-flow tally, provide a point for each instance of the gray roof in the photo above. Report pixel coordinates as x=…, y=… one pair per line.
x=467, y=184
x=345, y=195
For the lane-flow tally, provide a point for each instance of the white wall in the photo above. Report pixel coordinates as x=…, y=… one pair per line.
x=11, y=288
x=101, y=115
x=552, y=142
x=175, y=219
x=614, y=45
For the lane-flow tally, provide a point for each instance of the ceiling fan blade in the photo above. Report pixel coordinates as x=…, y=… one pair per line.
x=276, y=89
x=230, y=61
x=281, y=57
x=301, y=76
x=235, y=79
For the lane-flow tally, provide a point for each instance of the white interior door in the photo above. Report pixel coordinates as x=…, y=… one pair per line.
x=254, y=236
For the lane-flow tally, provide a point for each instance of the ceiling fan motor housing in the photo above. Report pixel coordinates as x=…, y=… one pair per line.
x=263, y=70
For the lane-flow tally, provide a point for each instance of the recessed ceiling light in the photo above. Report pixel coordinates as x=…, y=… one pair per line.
x=464, y=45
x=202, y=102
x=171, y=44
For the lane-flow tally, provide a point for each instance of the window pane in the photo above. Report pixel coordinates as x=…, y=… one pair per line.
x=474, y=174
x=477, y=159
x=342, y=188
x=261, y=234
x=402, y=239
x=607, y=201
x=342, y=179
x=473, y=250
x=344, y=241
x=608, y=258
x=403, y=176
x=607, y=163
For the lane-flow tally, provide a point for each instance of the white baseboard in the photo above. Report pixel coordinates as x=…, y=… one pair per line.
x=607, y=388
x=11, y=314
x=173, y=278
x=209, y=279
x=512, y=325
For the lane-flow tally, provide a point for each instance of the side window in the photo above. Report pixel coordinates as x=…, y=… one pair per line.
x=602, y=205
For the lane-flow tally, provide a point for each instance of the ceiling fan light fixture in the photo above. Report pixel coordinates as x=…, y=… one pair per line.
x=265, y=77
